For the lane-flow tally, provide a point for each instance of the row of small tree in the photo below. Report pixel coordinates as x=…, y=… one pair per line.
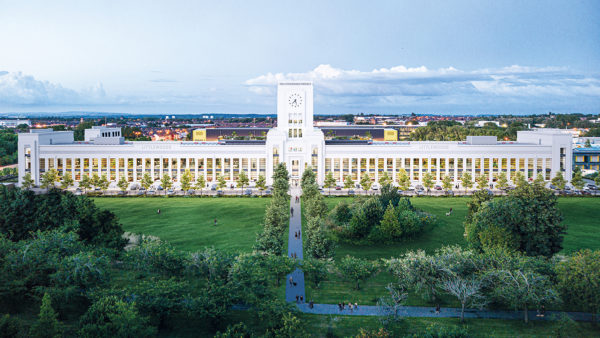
x=319, y=243
x=276, y=221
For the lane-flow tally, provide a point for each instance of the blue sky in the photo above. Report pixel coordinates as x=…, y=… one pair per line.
x=226, y=56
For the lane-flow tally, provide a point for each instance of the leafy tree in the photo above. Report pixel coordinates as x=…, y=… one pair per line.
x=559, y=181
x=447, y=183
x=308, y=177
x=577, y=180
x=27, y=182
x=291, y=327
x=270, y=240
x=403, y=180
x=365, y=182
x=502, y=180
x=261, y=183
x=428, y=180
x=474, y=204
x=482, y=182
x=385, y=179
x=329, y=181
x=468, y=291
x=146, y=181
x=390, y=224
x=539, y=181
x=200, y=183
x=186, y=181
x=579, y=280
x=49, y=179
x=221, y=183
x=522, y=289
x=47, y=324
x=365, y=218
x=85, y=182
x=418, y=271
x=467, y=180
x=281, y=174
x=103, y=182
x=166, y=182
x=10, y=327
x=67, y=181
x=279, y=266
x=122, y=184
x=318, y=243
x=95, y=180
x=356, y=269
x=156, y=256
x=597, y=179
x=239, y=330
x=348, y=182
x=242, y=180
x=389, y=194
x=519, y=179
x=316, y=270
x=530, y=215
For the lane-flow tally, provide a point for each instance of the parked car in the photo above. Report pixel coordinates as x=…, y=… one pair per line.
x=375, y=186
x=339, y=187
x=438, y=187
x=350, y=192
x=248, y=192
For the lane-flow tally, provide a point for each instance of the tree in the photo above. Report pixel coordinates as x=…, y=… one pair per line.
x=468, y=291
x=242, y=180
x=10, y=327
x=318, y=243
x=579, y=280
x=281, y=174
x=519, y=179
x=540, y=181
x=221, y=183
x=390, y=224
x=270, y=241
x=577, y=180
x=67, y=181
x=597, y=180
x=447, y=183
x=467, y=180
x=27, y=182
x=166, y=182
x=403, y=179
x=103, y=182
x=428, y=181
x=186, y=181
x=348, y=182
x=502, y=180
x=47, y=324
x=530, y=219
x=385, y=179
x=49, y=179
x=418, y=271
x=85, y=182
x=111, y=317
x=522, y=289
x=482, y=181
x=261, y=183
x=356, y=269
x=308, y=177
x=290, y=327
x=316, y=270
x=365, y=218
x=122, y=184
x=200, y=183
x=365, y=182
x=146, y=181
x=559, y=181
x=280, y=266
x=329, y=181
x=95, y=180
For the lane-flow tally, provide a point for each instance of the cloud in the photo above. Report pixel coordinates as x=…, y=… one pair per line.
x=421, y=86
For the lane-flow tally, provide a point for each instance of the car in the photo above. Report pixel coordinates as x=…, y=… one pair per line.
x=248, y=192
x=97, y=188
x=159, y=188
x=150, y=192
x=140, y=193
x=339, y=187
x=350, y=192
x=375, y=186
x=268, y=191
x=438, y=187
x=219, y=192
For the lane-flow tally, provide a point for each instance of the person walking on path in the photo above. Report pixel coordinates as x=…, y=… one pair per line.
x=437, y=308
x=291, y=281
x=356, y=306
x=292, y=212
x=215, y=222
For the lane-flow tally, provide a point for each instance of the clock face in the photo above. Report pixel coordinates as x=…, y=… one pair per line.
x=295, y=100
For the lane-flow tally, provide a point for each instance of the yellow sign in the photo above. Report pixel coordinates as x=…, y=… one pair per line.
x=390, y=135
x=199, y=135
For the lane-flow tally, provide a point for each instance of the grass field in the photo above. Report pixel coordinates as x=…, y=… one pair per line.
x=188, y=223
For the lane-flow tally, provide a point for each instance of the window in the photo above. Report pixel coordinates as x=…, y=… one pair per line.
x=579, y=158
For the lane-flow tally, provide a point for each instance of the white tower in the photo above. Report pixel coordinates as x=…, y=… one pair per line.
x=295, y=141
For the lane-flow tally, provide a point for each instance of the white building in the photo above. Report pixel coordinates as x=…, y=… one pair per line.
x=298, y=144
x=14, y=123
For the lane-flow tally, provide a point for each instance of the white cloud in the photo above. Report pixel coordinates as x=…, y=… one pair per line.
x=420, y=85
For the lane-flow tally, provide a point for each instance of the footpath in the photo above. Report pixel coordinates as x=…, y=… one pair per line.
x=298, y=289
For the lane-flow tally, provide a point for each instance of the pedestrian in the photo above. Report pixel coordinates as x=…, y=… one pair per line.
x=356, y=306
x=292, y=211
x=158, y=211
x=301, y=299
x=297, y=298
x=215, y=222
x=350, y=306
x=437, y=308
x=295, y=283
x=299, y=234
x=340, y=306
x=311, y=304
x=295, y=234
x=291, y=281
x=343, y=305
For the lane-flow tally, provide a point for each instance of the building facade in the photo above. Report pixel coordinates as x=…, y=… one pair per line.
x=299, y=145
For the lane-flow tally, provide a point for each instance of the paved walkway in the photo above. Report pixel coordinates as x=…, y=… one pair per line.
x=295, y=247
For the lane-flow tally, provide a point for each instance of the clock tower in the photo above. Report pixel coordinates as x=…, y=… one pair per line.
x=295, y=141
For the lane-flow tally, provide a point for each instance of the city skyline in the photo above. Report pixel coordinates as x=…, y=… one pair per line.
x=431, y=57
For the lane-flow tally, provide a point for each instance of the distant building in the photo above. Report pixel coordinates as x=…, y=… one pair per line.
x=14, y=123
x=588, y=159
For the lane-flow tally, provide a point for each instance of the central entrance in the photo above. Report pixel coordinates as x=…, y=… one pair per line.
x=295, y=171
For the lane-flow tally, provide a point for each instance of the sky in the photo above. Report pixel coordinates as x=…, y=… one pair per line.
x=227, y=56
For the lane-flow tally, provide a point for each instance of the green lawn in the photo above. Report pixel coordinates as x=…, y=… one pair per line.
x=188, y=223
